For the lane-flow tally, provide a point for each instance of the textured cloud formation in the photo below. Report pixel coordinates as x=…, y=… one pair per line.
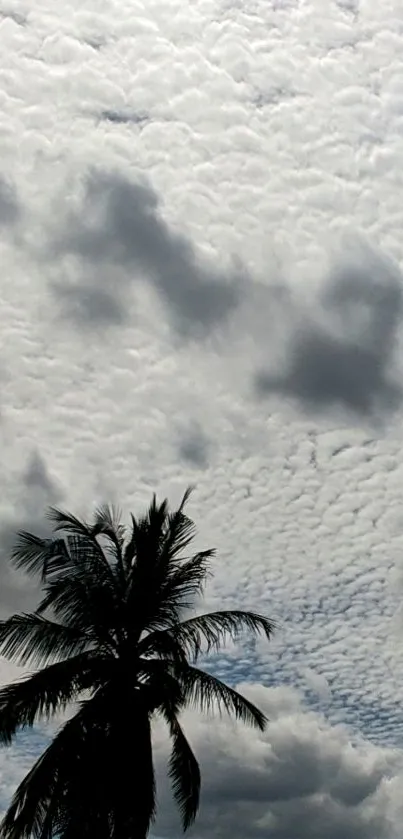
x=348, y=360
x=119, y=226
x=301, y=778
x=272, y=129
x=341, y=356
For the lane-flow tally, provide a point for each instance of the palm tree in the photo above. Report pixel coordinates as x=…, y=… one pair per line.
x=113, y=633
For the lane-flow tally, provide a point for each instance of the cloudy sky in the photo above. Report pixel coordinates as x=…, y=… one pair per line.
x=201, y=251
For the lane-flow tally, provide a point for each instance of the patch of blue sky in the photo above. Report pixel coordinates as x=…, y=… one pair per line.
x=21, y=755
x=378, y=718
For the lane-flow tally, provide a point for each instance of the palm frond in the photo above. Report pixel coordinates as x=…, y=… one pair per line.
x=31, y=638
x=150, y=534
x=87, y=608
x=107, y=521
x=184, y=773
x=37, y=805
x=89, y=561
x=81, y=535
x=37, y=555
x=161, y=645
x=206, y=632
x=162, y=583
x=185, y=497
x=67, y=523
x=129, y=552
x=169, y=594
x=181, y=529
x=160, y=687
x=209, y=693
x=48, y=691
x=88, y=596
x=142, y=550
x=146, y=570
x=210, y=631
x=188, y=580
x=160, y=532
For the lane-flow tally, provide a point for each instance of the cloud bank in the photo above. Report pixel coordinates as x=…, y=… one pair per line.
x=300, y=778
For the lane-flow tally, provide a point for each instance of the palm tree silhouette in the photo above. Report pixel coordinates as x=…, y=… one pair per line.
x=112, y=633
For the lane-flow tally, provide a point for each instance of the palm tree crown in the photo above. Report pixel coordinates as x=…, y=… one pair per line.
x=111, y=633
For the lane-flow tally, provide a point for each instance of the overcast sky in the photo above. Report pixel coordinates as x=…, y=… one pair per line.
x=201, y=253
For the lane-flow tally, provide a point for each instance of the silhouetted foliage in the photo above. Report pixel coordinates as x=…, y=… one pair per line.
x=110, y=633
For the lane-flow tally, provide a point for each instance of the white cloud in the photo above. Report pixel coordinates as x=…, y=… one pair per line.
x=268, y=131
x=317, y=682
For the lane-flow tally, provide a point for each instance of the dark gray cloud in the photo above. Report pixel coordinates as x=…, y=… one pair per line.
x=119, y=226
x=123, y=117
x=194, y=446
x=324, y=371
x=301, y=779
x=347, y=359
x=9, y=205
x=88, y=305
x=37, y=492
